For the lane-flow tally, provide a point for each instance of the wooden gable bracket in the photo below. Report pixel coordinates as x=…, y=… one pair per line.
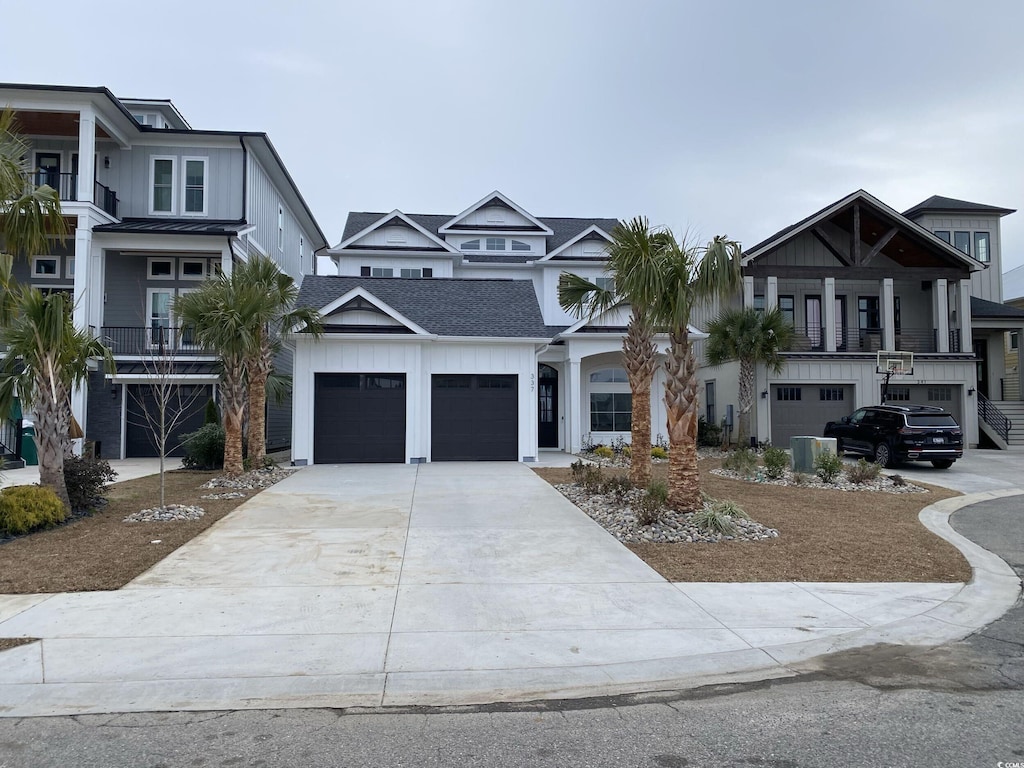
x=877, y=248
x=833, y=247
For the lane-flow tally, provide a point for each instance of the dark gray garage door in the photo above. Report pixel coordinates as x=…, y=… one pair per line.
x=359, y=417
x=804, y=409
x=474, y=418
x=945, y=396
x=138, y=434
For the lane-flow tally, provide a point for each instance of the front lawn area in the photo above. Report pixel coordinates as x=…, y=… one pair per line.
x=824, y=535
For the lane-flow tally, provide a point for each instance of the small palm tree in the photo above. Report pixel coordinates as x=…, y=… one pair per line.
x=751, y=337
x=275, y=313
x=632, y=262
x=691, y=277
x=46, y=358
x=221, y=316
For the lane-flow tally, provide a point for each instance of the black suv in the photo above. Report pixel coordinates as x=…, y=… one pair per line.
x=893, y=433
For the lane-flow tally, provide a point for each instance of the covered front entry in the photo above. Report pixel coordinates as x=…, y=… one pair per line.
x=547, y=407
x=139, y=441
x=474, y=417
x=359, y=417
x=804, y=409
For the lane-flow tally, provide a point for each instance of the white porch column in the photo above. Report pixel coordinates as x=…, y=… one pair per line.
x=86, y=156
x=83, y=296
x=940, y=309
x=226, y=261
x=771, y=292
x=575, y=407
x=888, y=303
x=964, y=316
x=830, y=314
x=748, y=291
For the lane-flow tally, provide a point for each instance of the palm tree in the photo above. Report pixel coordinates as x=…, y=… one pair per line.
x=28, y=214
x=750, y=336
x=632, y=261
x=691, y=276
x=220, y=316
x=46, y=358
x=276, y=312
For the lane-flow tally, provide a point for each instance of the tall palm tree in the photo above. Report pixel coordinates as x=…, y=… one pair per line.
x=46, y=358
x=633, y=259
x=220, y=315
x=28, y=214
x=691, y=277
x=751, y=337
x=276, y=312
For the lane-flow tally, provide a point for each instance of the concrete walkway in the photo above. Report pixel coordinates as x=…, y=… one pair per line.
x=420, y=584
x=127, y=469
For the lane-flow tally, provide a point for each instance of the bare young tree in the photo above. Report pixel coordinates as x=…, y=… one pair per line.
x=166, y=400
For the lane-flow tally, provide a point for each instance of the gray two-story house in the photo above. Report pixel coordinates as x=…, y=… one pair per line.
x=154, y=207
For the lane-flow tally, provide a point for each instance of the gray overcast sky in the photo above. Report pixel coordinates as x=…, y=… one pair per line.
x=735, y=117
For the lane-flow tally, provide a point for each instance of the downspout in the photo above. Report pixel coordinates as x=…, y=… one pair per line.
x=245, y=179
x=322, y=248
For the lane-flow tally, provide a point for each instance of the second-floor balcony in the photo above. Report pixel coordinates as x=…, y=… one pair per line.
x=66, y=185
x=155, y=341
x=918, y=340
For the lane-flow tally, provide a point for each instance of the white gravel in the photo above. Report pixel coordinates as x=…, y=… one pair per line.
x=257, y=478
x=883, y=482
x=166, y=514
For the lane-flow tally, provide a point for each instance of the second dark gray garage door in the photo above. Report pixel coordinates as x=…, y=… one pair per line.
x=474, y=417
x=359, y=417
x=804, y=409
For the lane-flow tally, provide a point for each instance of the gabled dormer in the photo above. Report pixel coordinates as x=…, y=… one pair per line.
x=972, y=228
x=495, y=225
x=156, y=113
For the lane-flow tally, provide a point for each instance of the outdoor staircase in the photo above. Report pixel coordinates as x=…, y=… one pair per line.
x=1014, y=411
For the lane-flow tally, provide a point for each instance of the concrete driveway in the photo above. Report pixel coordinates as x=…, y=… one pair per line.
x=429, y=584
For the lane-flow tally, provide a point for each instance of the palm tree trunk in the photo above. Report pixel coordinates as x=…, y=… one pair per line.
x=257, y=419
x=233, y=391
x=681, y=403
x=49, y=445
x=640, y=357
x=746, y=398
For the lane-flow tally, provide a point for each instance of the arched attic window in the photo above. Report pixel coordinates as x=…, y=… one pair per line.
x=471, y=245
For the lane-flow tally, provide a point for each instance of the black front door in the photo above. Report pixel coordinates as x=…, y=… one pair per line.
x=48, y=169
x=979, y=352
x=547, y=407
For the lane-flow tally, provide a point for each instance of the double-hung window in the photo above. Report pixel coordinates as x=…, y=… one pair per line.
x=195, y=186
x=162, y=197
x=611, y=404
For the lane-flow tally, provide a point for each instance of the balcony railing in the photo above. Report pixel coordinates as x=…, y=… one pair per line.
x=812, y=339
x=152, y=341
x=66, y=185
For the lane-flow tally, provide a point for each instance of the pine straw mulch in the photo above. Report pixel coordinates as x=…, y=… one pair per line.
x=101, y=552
x=824, y=535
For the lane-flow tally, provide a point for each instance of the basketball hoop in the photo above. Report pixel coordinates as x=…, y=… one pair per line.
x=893, y=363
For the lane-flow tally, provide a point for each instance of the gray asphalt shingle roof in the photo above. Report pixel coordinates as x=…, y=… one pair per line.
x=447, y=307
x=563, y=229
x=939, y=203
x=984, y=308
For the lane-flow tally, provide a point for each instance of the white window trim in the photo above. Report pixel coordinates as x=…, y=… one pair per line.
x=206, y=184
x=60, y=287
x=152, y=184
x=181, y=269
x=69, y=267
x=280, y=228
x=56, y=273
x=149, y=269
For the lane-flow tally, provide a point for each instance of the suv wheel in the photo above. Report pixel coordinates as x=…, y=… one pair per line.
x=883, y=456
x=942, y=463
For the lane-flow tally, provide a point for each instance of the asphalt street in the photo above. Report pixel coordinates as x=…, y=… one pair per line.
x=959, y=705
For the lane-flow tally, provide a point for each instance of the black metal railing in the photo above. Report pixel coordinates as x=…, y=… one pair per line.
x=66, y=185
x=954, y=340
x=916, y=340
x=994, y=418
x=155, y=340
x=10, y=438
x=812, y=339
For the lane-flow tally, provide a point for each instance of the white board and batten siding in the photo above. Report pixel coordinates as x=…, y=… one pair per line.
x=418, y=360
x=986, y=283
x=351, y=266
x=551, y=309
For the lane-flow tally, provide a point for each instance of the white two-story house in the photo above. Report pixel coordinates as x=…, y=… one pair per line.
x=154, y=207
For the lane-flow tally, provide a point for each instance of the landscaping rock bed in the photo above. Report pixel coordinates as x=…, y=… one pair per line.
x=257, y=478
x=614, y=514
x=228, y=495
x=166, y=514
x=884, y=483
x=619, y=460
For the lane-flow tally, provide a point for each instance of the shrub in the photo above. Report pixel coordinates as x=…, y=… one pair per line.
x=862, y=472
x=898, y=480
x=657, y=452
x=742, y=461
x=776, y=462
x=651, y=505
x=710, y=520
x=86, y=480
x=268, y=463
x=708, y=434
x=800, y=478
x=25, y=508
x=828, y=466
x=604, y=452
x=617, y=486
x=204, y=448
x=587, y=475
x=211, y=415
x=627, y=451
